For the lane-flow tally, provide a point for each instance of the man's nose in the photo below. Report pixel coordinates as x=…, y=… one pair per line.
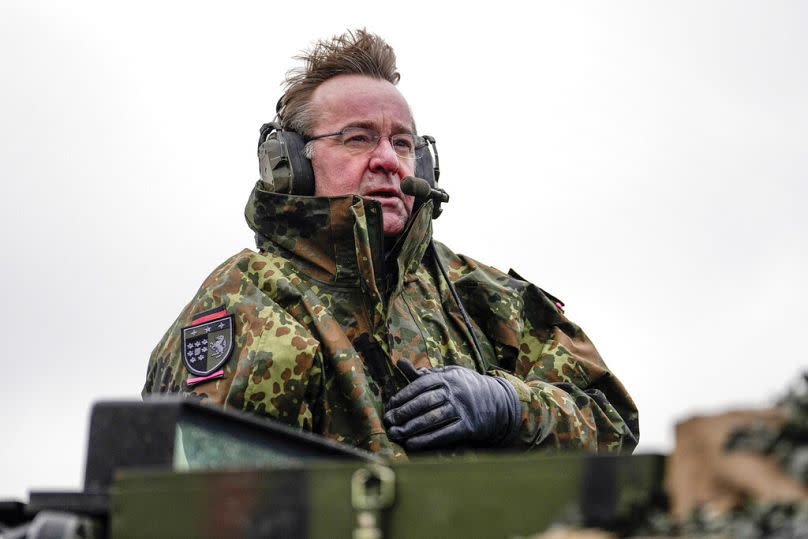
x=383, y=158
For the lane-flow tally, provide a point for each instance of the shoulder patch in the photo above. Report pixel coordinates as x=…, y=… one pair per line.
x=207, y=343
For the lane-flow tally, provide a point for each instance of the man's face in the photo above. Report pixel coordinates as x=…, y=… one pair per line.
x=359, y=101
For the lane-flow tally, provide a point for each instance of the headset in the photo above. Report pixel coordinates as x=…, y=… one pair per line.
x=284, y=168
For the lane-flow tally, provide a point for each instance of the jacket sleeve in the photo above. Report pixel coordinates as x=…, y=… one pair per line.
x=275, y=367
x=569, y=398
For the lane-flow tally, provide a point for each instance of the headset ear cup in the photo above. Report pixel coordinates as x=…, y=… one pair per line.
x=281, y=162
x=302, y=177
x=425, y=166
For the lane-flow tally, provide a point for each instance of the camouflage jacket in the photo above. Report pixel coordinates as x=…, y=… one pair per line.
x=319, y=325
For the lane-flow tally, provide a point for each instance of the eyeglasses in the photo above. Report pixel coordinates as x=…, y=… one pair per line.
x=359, y=140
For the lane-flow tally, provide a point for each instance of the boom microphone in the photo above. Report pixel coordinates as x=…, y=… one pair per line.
x=421, y=189
x=416, y=187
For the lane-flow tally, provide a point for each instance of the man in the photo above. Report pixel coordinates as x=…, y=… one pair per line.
x=352, y=323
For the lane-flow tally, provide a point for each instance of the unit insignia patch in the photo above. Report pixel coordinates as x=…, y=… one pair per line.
x=208, y=343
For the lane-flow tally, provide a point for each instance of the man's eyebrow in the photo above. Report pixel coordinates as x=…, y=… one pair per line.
x=365, y=124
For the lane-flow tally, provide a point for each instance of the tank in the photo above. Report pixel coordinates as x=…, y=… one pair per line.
x=169, y=467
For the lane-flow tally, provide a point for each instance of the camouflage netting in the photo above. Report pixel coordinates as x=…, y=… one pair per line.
x=788, y=444
x=742, y=474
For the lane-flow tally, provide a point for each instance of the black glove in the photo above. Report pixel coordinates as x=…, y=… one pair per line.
x=451, y=406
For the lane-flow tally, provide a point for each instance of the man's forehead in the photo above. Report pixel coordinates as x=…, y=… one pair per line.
x=361, y=101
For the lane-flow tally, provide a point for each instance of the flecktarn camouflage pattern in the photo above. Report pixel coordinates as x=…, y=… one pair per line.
x=320, y=317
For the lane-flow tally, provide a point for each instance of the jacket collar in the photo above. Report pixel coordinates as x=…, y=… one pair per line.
x=334, y=239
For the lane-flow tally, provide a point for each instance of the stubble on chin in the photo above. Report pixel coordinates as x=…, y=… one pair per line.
x=394, y=224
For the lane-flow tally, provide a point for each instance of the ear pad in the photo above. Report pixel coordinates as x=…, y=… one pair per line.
x=281, y=162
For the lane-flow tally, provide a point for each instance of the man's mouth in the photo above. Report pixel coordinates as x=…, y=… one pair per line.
x=382, y=194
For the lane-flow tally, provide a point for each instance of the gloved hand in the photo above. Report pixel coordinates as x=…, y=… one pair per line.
x=451, y=406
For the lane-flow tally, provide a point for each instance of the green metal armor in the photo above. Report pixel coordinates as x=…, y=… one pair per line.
x=323, y=313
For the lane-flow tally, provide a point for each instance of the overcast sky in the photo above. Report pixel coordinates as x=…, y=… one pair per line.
x=643, y=161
